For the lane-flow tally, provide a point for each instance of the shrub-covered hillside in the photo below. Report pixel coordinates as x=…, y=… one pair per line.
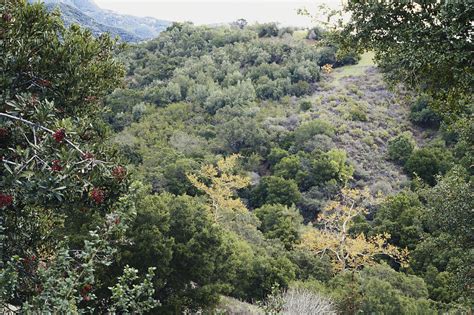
x=264, y=98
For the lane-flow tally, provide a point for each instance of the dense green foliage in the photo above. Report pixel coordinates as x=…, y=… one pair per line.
x=425, y=45
x=65, y=200
x=215, y=157
x=401, y=147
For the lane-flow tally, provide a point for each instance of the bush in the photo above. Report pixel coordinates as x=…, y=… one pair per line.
x=401, y=147
x=358, y=113
x=267, y=30
x=329, y=166
x=280, y=222
x=177, y=235
x=308, y=130
x=380, y=290
x=310, y=266
x=300, y=88
x=276, y=154
x=422, y=115
x=327, y=56
x=350, y=58
x=289, y=167
x=274, y=190
x=429, y=162
x=305, y=105
x=400, y=215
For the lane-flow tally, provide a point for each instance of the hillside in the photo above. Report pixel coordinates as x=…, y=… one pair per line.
x=352, y=101
x=87, y=14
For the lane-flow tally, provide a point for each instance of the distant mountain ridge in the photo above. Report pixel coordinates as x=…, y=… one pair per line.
x=90, y=15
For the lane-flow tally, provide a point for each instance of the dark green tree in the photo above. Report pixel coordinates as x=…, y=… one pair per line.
x=280, y=222
x=275, y=190
x=425, y=45
x=429, y=162
x=401, y=147
x=64, y=199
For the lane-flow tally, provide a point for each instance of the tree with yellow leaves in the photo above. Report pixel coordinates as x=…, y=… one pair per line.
x=220, y=184
x=327, y=68
x=333, y=238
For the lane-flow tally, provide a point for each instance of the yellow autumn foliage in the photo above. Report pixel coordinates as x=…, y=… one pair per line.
x=220, y=183
x=333, y=238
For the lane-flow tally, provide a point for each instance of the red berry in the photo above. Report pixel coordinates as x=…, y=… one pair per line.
x=59, y=135
x=85, y=292
x=56, y=167
x=4, y=133
x=97, y=195
x=88, y=156
x=7, y=17
x=119, y=173
x=117, y=221
x=87, y=287
x=5, y=200
x=44, y=83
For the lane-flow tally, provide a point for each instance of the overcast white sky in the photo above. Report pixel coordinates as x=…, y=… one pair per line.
x=219, y=11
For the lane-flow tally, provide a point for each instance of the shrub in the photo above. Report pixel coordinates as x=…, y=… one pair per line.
x=267, y=30
x=327, y=56
x=280, y=222
x=429, y=162
x=305, y=105
x=329, y=166
x=309, y=129
x=422, y=115
x=300, y=88
x=380, y=290
x=276, y=154
x=400, y=216
x=358, y=113
x=310, y=266
x=349, y=58
x=289, y=167
x=400, y=147
x=273, y=190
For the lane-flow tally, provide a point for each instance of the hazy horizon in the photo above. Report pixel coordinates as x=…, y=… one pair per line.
x=223, y=11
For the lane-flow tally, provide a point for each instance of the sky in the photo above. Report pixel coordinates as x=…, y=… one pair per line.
x=219, y=11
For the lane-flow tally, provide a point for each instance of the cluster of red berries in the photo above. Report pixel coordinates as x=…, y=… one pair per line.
x=85, y=292
x=97, y=195
x=90, y=98
x=88, y=156
x=44, y=83
x=7, y=17
x=119, y=173
x=56, y=167
x=59, y=135
x=29, y=259
x=5, y=200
